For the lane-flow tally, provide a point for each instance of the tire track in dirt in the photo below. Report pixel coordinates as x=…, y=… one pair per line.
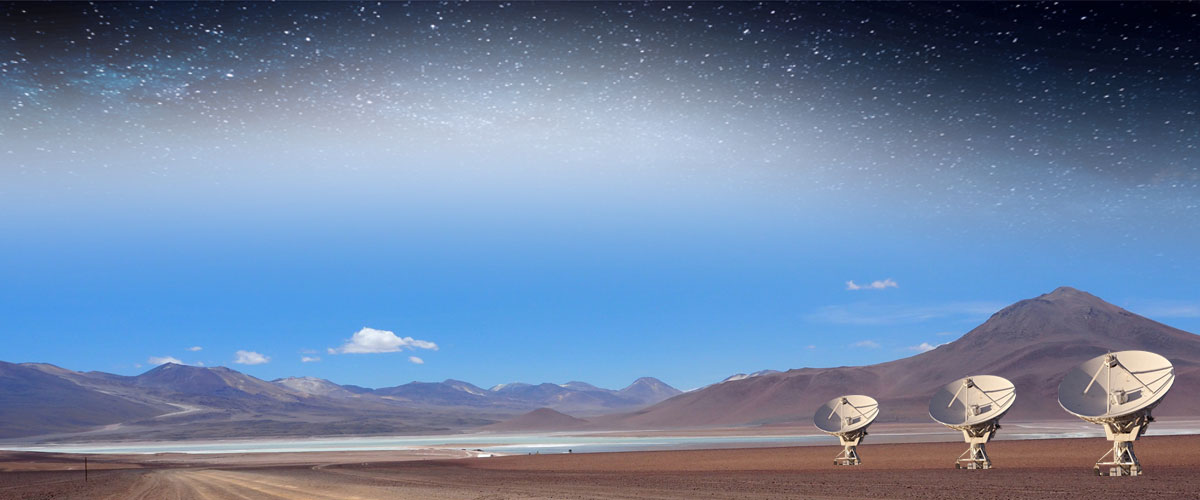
x=481, y=488
x=222, y=485
x=207, y=490
x=152, y=486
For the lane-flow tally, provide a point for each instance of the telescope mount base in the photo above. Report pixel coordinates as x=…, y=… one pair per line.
x=976, y=457
x=849, y=454
x=1120, y=460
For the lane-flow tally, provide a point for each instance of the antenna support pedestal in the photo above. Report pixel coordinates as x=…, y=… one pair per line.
x=849, y=454
x=1120, y=460
x=1117, y=391
x=976, y=456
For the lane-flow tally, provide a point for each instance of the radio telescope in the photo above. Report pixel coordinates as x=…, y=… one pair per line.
x=1118, y=390
x=847, y=417
x=974, y=406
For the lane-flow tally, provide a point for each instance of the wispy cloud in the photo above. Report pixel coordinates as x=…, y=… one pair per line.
x=923, y=347
x=309, y=359
x=868, y=314
x=250, y=358
x=157, y=360
x=195, y=348
x=869, y=344
x=370, y=340
x=1166, y=308
x=416, y=360
x=874, y=285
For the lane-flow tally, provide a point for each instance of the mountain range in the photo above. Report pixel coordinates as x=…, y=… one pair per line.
x=1032, y=343
x=173, y=401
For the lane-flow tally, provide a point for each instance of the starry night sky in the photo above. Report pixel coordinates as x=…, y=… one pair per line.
x=567, y=180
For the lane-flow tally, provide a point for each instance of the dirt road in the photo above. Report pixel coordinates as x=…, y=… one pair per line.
x=226, y=484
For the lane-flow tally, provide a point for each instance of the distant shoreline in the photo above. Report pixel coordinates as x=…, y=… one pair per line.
x=591, y=441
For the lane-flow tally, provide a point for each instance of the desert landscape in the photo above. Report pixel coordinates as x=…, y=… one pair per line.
x=1057, y=468
x=1031, y=342
x=749, y=436
x=593, y=249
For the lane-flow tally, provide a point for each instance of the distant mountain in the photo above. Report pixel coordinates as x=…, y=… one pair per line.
x=174, y=401
x=541, y=419
x=580, y=386
x=583, y=398
x=313, y=386
x=449, y=393
x=1032, y=342
x=200, y=384
x=40, y=399
x=649, y=390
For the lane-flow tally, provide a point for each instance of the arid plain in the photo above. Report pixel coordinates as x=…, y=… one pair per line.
x=1053, y=468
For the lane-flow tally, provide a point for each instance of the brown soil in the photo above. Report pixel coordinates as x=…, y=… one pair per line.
x=1059, y=468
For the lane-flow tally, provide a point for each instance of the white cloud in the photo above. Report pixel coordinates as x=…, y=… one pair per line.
x=156, y=360
x=868, y=314
x=250, y=358
x=874, y=285
x=869, y=344
x=195, y=348
x=923, y=347
x=416, y=360
x=812, y=346
x=309, y=359
x=370, y=340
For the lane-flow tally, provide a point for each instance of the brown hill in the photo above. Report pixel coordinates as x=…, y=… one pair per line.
x=174, y=401
x=1033, y=343
x=33, y=401
x=541, y=419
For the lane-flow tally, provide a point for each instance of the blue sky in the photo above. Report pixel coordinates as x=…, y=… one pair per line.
x=672, y=200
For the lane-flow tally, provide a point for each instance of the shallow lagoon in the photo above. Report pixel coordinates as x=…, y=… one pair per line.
x=496, y=443
x=581, y=442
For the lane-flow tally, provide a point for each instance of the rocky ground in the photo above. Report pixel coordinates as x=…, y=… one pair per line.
x=1060, y=468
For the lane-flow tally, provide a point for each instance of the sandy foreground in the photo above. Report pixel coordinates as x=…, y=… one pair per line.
x=1055, y=468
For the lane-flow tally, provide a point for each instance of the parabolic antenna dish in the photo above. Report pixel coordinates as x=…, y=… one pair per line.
x=1118, y=390
x=846, y=414
x=847, y=417
x=971, y=401
x=1109, y=387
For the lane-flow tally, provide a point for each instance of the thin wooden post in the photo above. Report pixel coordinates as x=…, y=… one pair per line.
x=85, y=471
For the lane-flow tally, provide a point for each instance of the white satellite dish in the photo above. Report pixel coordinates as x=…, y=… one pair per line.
x=847, y=417
x=1118, y=390
x=974, y=406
